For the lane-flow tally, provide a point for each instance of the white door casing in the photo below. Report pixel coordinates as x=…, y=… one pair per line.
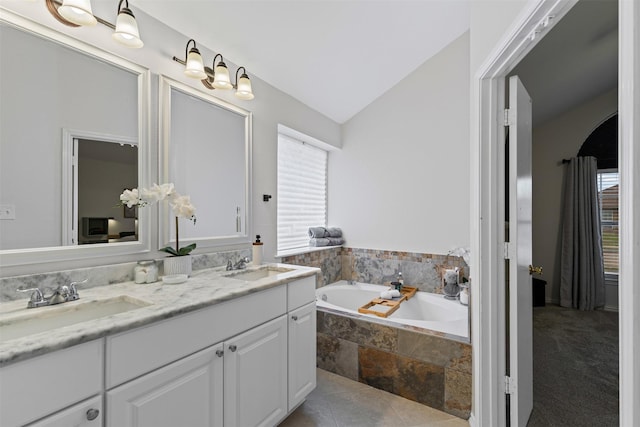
x=520, y=254
x=487, y=257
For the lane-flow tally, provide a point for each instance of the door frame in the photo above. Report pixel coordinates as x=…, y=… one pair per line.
x=487, y=233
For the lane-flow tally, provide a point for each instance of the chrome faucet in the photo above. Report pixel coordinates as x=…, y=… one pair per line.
x=240, y=265
x=62, y=293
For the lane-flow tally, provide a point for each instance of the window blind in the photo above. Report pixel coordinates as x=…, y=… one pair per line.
x=608, y=190
x=302, y=191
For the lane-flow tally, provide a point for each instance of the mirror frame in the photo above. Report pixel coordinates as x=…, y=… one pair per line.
x=167, y=85
x=27, y=256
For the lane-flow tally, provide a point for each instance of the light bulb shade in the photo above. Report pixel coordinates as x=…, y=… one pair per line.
x=77, y=11
x=195, y=67
x=221, y=79
x=244, y=88
x=126, y=31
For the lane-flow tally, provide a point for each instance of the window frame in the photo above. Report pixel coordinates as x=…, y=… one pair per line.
x=297, y=137
x=611, y=278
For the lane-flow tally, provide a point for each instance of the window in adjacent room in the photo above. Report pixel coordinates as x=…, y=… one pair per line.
x=302, y=191
x=608, y=186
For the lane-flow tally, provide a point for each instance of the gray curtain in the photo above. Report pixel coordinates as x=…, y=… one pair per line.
x=582, y=264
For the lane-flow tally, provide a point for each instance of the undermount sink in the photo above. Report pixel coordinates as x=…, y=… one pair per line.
x=36, y=320
x=258, y=274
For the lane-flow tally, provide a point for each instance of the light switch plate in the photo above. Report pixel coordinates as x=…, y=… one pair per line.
x=7, y=212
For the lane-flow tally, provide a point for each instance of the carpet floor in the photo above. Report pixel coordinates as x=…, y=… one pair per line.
x=575, y=368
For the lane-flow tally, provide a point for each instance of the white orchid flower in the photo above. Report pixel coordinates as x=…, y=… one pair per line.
x=182, y=207
x=157, y=192
x=130, y=198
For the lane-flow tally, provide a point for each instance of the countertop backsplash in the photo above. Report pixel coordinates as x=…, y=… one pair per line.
x=101, y=275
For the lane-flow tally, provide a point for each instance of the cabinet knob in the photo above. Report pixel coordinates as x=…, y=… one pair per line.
x=294, y=317
x=232, y=347
x=219, y=353
x=92, y=414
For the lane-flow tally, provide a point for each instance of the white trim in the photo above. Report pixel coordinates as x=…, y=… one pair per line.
x=165, y=86
x=70, y=176
x=629, y=168
x=299, y=136
x=488, y=342
x=16, y=261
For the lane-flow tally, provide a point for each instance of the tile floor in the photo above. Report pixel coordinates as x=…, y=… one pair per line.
x=341, y=402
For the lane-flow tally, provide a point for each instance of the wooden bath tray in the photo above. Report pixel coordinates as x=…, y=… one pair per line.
x=384, y=307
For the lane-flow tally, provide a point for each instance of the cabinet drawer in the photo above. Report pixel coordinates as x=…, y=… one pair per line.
x=77, y=416
x=301, y=292
x=134, y=353
x=40, y=386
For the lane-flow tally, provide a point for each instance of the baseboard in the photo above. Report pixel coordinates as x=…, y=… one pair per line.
x=472, y=421
x=613, y=308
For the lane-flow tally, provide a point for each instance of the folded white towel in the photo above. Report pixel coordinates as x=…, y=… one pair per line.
x=389, y=294
x=386, y=295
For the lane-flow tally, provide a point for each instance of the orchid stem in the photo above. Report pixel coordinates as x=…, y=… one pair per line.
x=177, y=242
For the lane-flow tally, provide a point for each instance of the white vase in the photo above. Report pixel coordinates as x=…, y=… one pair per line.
x=177, y=265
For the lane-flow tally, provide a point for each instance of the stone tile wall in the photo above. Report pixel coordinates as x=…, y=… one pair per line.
x=426, y=368
x=328, y=260
x=377, y=267
x=101, y=275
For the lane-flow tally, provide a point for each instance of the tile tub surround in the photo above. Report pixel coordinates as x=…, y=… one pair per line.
x=329, y=261
x=100, y=275
x=378, y=266
x=426, y=368
x=203, y=289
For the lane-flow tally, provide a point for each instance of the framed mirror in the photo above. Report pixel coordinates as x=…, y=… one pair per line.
x=74, y=110
x=206, y=153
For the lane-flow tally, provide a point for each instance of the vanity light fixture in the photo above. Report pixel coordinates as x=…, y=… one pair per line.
x=216, y=76
x=126, y=31
x=243, y=85
x=76, y=13
x=194, y=67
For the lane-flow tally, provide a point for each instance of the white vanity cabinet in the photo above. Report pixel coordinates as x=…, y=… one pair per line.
x=301, y=350
x=185, y=393
x=241, y=382
x=301, y=354
x=255, y=376
x=245, y=362
x=43, y=385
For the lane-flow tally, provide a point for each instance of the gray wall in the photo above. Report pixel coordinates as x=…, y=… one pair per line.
x=554, y=140
x=400, y=181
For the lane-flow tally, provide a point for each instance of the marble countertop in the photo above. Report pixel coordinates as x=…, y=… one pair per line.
x=203, y=289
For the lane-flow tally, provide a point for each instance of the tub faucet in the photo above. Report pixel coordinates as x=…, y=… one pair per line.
x=351, y=282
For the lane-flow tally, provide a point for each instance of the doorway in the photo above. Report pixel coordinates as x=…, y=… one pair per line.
x=572, y=77
x=486, y=248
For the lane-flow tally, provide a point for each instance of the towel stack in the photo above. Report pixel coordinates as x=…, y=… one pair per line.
x=321, y=236
x=390, y=294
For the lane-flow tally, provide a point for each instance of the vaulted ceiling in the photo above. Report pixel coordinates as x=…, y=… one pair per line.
x=334, y=56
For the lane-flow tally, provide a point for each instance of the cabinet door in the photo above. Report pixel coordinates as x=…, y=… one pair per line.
x=302, y=353
x=255, y=376
x=84, y=414
x=185, y=393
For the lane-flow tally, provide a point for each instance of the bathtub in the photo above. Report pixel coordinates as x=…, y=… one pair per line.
x=431, y=312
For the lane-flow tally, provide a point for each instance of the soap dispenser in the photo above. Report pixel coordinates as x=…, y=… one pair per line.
x=257, y=251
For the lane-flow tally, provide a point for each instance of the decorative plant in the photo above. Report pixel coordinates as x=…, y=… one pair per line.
x=181, y=206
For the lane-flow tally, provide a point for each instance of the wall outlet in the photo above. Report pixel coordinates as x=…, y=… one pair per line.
x=7, y=212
